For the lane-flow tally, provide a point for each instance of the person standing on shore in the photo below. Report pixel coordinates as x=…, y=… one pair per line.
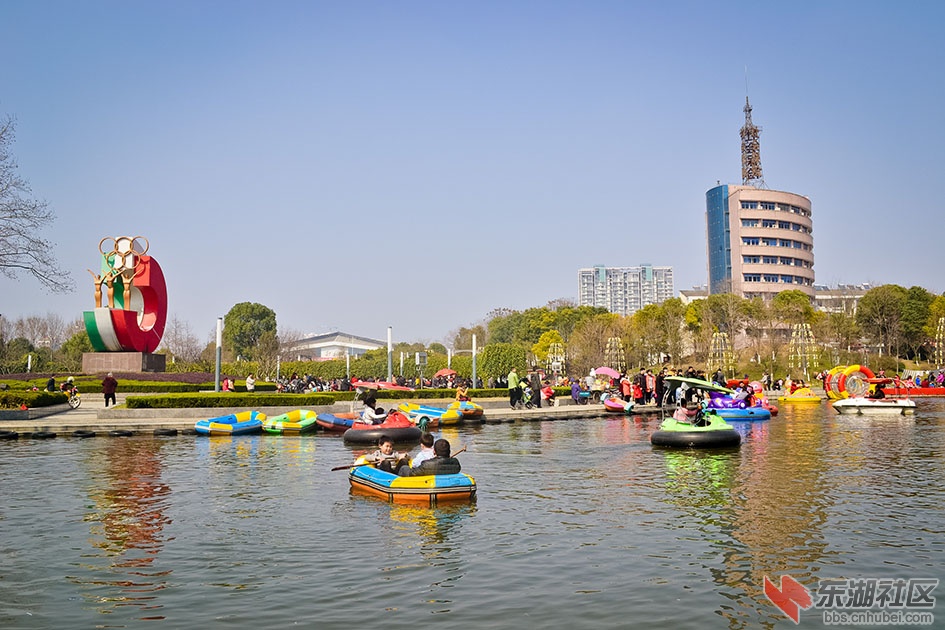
x=534, y=381
x=513, y=388
x=109, y=385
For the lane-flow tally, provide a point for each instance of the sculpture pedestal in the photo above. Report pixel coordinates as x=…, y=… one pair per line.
x=100, y=362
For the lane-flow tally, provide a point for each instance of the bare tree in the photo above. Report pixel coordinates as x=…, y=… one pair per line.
x=22, y=218
x=181, y=342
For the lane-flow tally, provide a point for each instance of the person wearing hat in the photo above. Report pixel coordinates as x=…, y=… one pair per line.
x=440, y=464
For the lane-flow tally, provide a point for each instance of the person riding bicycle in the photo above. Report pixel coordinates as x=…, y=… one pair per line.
x=68, y=386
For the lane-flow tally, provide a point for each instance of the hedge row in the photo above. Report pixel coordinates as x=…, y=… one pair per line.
x=15, y=399
x=227, y=399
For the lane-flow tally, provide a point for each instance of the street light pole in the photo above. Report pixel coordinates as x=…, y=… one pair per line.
x=475, y=381
x=390, y=352
x=216, y=386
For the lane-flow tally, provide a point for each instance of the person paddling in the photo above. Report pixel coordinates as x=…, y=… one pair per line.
x=440, y=464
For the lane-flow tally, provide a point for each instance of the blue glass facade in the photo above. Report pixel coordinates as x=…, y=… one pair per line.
x=720, y=248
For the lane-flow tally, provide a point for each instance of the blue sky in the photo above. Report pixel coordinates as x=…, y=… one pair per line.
x=359, y=165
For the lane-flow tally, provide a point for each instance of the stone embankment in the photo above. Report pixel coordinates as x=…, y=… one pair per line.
x=93, y=416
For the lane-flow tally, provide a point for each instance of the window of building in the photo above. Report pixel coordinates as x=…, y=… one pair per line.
x=768, y=223
x=751, y=260
x=767, y=205
x=787, y=279
x=770, y=242
x=749, y=205
x=771, y=260
x=749, y=222
x=750, y=240
x=752, y=277
x=786, y=261
x=770, y=277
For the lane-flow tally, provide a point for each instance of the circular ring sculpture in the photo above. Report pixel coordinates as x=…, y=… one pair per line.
x=133, y=317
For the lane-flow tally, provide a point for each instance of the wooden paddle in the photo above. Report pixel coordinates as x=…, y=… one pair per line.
x=348, y=466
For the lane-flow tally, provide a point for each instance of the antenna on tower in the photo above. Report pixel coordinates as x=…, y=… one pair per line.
x=751, y=147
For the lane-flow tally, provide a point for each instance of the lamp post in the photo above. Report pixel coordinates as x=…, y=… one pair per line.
x=390, y=352
x=216, y=384
x=450, y=352
x=475, y=380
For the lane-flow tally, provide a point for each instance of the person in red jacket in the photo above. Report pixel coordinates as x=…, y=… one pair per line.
x=109, y=386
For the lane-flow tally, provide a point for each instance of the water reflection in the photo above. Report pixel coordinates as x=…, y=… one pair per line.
x=576, y=522
x=127, y=517
x=432, y=525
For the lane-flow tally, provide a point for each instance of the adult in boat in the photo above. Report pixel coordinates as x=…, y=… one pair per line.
x=372, y=414
x=877, y=392
x=462, y=392
x=440, y=464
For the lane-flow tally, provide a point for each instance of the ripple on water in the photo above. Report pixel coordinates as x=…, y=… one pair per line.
x=577, y=522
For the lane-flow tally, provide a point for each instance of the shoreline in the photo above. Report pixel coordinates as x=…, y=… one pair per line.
x=93, y=416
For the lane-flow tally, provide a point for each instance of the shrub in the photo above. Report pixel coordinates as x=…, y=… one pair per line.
x=15, y=398
x=227, y=399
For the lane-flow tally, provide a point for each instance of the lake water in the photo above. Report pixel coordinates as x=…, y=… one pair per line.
x=579, y=523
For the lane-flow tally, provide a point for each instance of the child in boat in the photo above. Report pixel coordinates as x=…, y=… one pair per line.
x=385, y=458
x=426, y=450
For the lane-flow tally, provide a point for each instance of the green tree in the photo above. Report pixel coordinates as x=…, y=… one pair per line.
x=792, y=307
x=244, y=325
x=915, y=316
x=879, y=315
x=540, y=349
x=15, y=352
x=498, y=359
x=72, y=350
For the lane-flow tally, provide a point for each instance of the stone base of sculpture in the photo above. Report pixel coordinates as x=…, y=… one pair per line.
x=101, y=362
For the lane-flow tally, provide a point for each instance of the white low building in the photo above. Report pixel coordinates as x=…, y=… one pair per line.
x=334, y=345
